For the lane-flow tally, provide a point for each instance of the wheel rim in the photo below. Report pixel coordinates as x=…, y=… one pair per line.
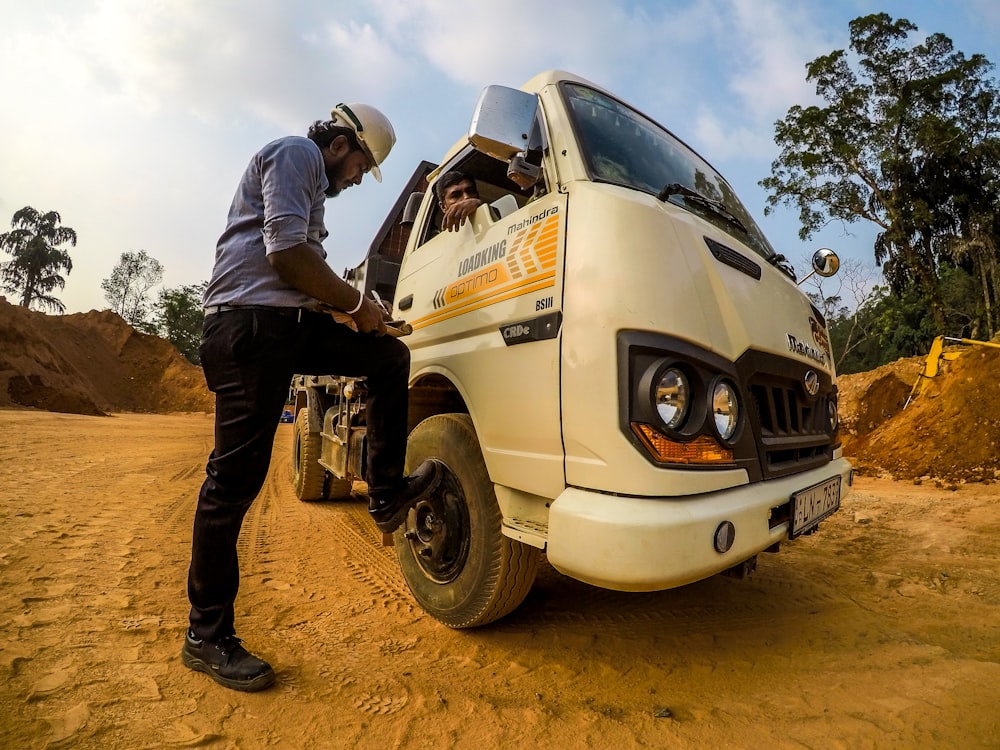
x=438, y=531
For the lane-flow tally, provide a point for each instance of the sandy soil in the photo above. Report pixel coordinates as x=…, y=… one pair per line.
x=880, y=631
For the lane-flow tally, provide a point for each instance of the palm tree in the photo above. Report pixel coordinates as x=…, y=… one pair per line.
x=38, y=258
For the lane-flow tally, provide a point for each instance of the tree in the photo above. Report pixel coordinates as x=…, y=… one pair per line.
x=127, y=289
x=180, y=317
x=909, y=143
x=38, y=259
x=854, y=336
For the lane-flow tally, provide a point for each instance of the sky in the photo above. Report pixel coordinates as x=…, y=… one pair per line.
x=134, y=119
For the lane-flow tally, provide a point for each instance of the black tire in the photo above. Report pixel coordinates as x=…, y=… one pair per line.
x=456, y=561
x=308, y=476
x=337, y=488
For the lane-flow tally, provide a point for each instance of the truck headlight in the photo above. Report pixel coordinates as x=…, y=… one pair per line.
x=672, y=398
x=725, y=410
x=832, y=415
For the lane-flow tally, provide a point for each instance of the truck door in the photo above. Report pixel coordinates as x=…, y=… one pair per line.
x=485, y=304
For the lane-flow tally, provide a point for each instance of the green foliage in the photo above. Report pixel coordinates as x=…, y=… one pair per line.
x=851, y=337
x=906, y=138
x=896, y=326
x=38, y=260
x=901, y=325
x=127, y=289
x=180, y=317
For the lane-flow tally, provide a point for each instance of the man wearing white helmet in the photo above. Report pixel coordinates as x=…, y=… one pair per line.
x=264, y=322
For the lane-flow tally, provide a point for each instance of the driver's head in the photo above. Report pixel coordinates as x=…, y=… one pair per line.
x=453, y=187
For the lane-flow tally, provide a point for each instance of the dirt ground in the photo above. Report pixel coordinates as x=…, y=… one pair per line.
x=880, y=631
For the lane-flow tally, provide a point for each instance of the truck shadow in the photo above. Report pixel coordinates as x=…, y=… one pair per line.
x=774, y=593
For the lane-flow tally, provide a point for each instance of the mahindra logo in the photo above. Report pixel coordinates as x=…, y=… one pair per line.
x=811, y=380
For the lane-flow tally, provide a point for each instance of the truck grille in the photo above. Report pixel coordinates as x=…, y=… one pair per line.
x=790, y=427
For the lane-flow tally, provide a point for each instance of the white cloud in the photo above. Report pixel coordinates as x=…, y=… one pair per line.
x=512, y=41
x=719, y=139
x=774, y=42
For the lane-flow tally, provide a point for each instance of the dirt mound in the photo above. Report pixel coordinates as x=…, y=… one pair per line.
x=92, y=363
x=950, y=432
x=868, y=399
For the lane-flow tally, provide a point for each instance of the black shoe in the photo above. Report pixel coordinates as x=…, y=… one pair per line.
x=389, y=508
x=228, y=663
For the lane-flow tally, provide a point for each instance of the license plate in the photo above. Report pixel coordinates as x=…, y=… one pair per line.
x=812, y=505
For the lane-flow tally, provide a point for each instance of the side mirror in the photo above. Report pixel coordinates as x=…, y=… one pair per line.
x=502, y=122
x=825, y=262
x=411, y=208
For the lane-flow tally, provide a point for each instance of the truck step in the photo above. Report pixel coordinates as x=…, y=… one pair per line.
x=528, y=532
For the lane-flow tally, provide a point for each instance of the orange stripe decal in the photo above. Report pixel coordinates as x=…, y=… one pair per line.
x=528, y=265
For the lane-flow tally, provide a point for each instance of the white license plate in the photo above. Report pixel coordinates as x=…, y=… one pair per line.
x=810, y=506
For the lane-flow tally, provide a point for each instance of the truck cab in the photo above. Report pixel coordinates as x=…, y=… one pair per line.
x=616, y=367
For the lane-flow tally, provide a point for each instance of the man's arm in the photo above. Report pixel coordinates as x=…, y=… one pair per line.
x=300, y=267
x=458, y=212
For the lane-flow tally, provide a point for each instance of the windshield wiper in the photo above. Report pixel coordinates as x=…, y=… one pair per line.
x=717, y=207
x=781, y=262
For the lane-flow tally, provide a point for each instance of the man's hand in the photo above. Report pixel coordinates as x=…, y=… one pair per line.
x=458, y=212
x=302, y=268
x=370, y=318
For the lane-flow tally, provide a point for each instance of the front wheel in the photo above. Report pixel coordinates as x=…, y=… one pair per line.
x=456, y=561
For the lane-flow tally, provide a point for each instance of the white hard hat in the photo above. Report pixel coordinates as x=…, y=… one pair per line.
x=373, y=129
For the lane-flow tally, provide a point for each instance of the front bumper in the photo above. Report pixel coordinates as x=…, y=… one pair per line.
x=652, y=543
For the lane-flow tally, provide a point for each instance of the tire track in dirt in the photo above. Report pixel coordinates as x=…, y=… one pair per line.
x=177, y=502
x=839, y=636
x=343, y=532
x=345, y=524
x=252, y=544
x=348, y=525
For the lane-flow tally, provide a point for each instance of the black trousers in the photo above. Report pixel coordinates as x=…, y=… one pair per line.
x=249, y=357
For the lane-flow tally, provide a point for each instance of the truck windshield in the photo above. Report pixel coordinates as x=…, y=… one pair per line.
x=622, y=147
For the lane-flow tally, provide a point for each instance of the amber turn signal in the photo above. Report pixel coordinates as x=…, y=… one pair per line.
x=704, y=449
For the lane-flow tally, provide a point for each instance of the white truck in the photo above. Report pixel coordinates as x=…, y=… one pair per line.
x=613, y=363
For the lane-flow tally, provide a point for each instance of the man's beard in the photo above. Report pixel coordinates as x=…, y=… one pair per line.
x=331, y=177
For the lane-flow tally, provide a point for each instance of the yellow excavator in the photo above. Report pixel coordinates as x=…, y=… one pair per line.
x=934, y=357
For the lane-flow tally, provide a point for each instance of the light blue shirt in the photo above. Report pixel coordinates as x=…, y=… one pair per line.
x=279, y=204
